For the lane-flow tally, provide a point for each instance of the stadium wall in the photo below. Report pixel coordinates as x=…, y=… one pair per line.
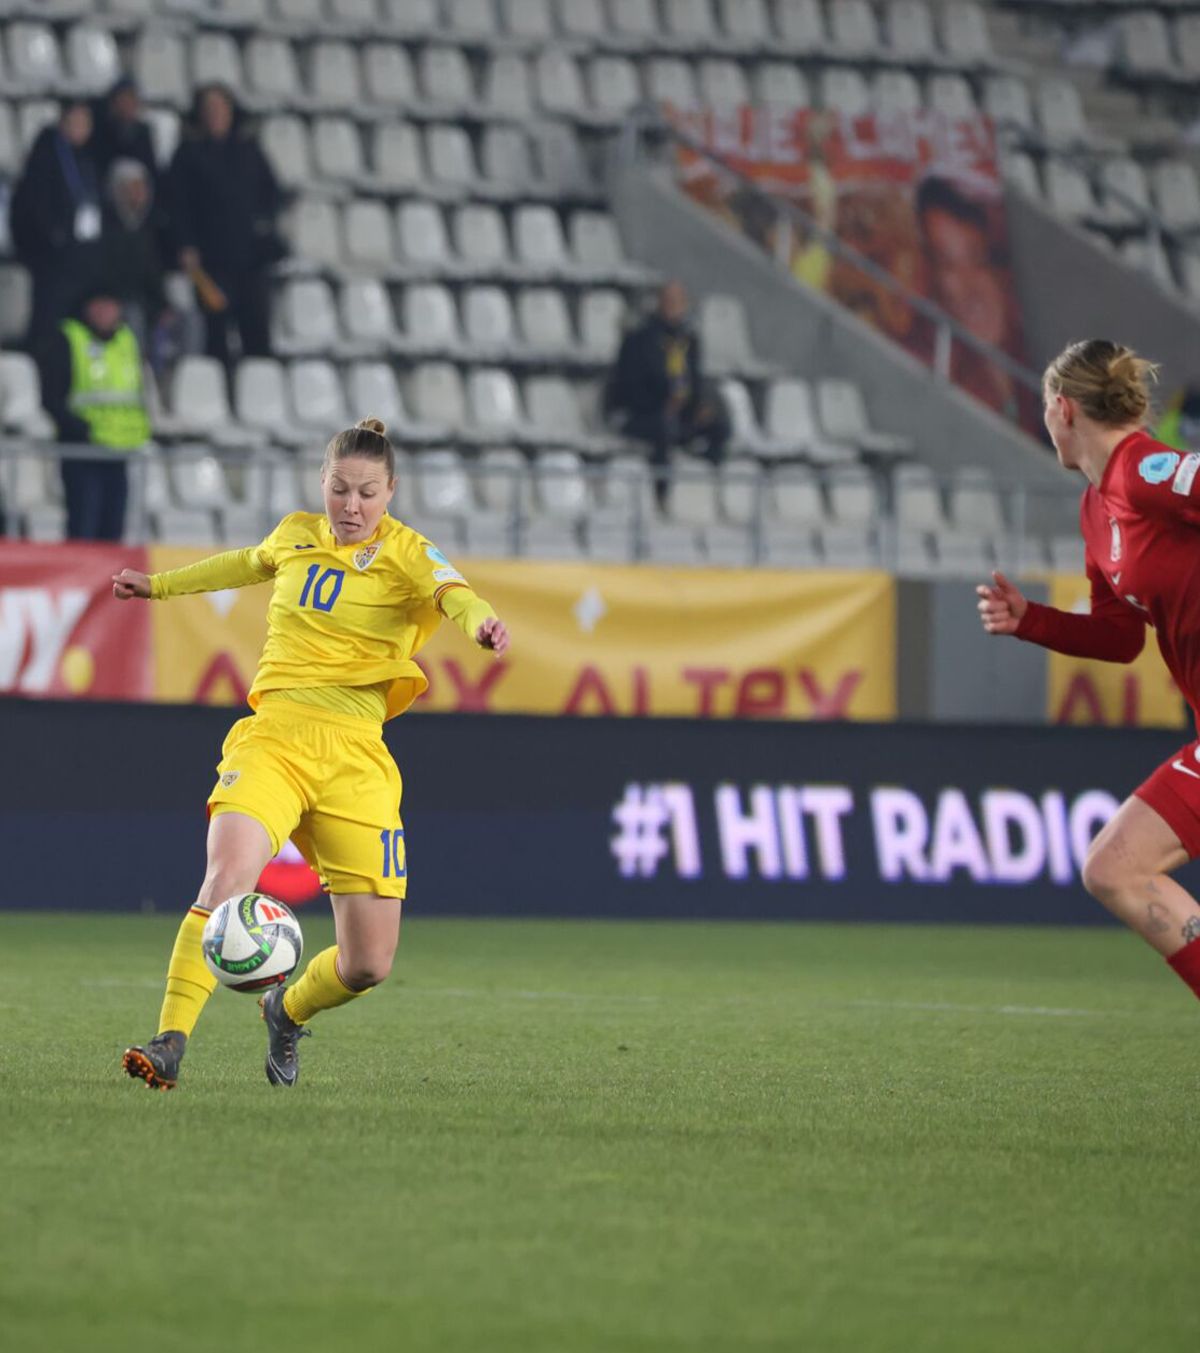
x=102, y=808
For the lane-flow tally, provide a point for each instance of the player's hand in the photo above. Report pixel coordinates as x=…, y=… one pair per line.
x=492, y=634
x=130, y=583
x=1001, y=606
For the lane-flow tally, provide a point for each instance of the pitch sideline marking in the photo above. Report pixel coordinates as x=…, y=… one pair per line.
x=955, y=1008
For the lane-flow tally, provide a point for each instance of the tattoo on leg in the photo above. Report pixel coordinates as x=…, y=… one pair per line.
x=1157, y=922
x=1191, y=929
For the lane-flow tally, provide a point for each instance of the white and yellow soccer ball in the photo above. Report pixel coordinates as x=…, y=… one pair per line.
x=252, y=942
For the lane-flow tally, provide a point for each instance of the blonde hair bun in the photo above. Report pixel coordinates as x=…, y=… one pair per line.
x=372, y=424
x=1110, y=382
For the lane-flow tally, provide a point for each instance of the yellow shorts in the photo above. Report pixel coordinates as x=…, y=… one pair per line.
x=327, y=781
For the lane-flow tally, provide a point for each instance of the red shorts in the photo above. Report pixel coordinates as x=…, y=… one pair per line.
x=1173, y=791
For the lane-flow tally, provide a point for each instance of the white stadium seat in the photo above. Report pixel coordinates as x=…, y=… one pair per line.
x=317, y=232
x=337, y=149
x=437, y=396
x=909, y=28
x=531, y=19
x=444, y=78
x=965, y=33
x=271, y=71
x=388, y=76
x=34, y=60
x=853, y=29
x=317, y=396
x=92, y=58
x=369, y=243
x=335, y=79
x=215, y=59
x=488, y=321
x=614, y=85
x=421, y=234
x=160, y=67
x=481, y=239
x=261, y=400
x=285, y=143
x=506, y=88
x=431, y=319
x=781, y=84
x=397, y=156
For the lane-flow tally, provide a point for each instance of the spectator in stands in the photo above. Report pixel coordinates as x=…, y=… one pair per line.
x=224, y=200
x=55, y=212
x=126, y=255
x=121, y=133
x=92, y=389
x=657, y=393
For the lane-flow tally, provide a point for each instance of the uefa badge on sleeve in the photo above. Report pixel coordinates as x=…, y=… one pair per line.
x=1159, y=467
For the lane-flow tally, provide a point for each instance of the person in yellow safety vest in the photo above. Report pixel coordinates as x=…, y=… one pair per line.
x=92, y=389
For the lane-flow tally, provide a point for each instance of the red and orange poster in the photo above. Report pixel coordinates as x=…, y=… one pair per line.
x=920, y=196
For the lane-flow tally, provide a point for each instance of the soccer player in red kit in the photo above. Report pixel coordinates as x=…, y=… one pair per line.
x=1140, y=518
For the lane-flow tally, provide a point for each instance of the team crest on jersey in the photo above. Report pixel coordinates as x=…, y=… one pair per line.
x=363, y=557
x=1159, y=467
x=1115, y=553
x=229, y=778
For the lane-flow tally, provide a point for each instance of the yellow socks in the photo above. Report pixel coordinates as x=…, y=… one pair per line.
x=319, y=989
x=189, y=982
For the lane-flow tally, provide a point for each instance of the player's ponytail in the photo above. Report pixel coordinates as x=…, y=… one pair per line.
x=368, y=439
x=1109, y=382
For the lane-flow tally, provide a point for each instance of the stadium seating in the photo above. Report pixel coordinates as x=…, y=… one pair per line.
x=455, y=267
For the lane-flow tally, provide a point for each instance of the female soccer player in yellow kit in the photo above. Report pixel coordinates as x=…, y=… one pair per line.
x=356, y=594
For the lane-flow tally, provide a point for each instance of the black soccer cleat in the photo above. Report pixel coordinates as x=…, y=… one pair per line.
x=283, y=1033
x=158, y=1062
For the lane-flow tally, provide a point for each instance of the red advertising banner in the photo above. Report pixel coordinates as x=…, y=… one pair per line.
x=920, y=195
x=61, y=631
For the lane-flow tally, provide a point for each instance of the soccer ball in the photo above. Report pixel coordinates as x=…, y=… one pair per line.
x=251, y=942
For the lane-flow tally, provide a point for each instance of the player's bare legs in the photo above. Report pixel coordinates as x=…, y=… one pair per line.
x=1128, y=868
x=368, y=931
x=238, y=850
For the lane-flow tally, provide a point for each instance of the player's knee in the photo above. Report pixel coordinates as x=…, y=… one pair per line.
x=361, y=974
x=1105, y=876
x=222, y=881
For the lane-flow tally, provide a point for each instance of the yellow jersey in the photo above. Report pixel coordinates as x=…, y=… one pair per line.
x=344, y=621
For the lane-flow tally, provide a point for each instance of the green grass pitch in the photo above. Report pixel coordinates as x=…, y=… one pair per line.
x=592, y=1138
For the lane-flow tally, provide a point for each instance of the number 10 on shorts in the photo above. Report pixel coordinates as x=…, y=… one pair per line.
x=395, y=859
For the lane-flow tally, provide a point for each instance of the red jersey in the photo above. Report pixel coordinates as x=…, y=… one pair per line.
x=1141, y=526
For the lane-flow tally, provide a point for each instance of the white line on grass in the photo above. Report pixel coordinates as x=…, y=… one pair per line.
x=954, y=1008
x=520, y=995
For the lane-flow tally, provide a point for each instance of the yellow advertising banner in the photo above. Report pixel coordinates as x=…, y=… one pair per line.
x=1084, y=691
x=600, y=639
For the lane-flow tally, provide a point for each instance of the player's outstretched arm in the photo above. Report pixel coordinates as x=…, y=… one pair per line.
x=1002, y=605
x=129, y=583
x=234, y=568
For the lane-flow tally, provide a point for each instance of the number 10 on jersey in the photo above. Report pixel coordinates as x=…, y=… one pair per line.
x=322, y=590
